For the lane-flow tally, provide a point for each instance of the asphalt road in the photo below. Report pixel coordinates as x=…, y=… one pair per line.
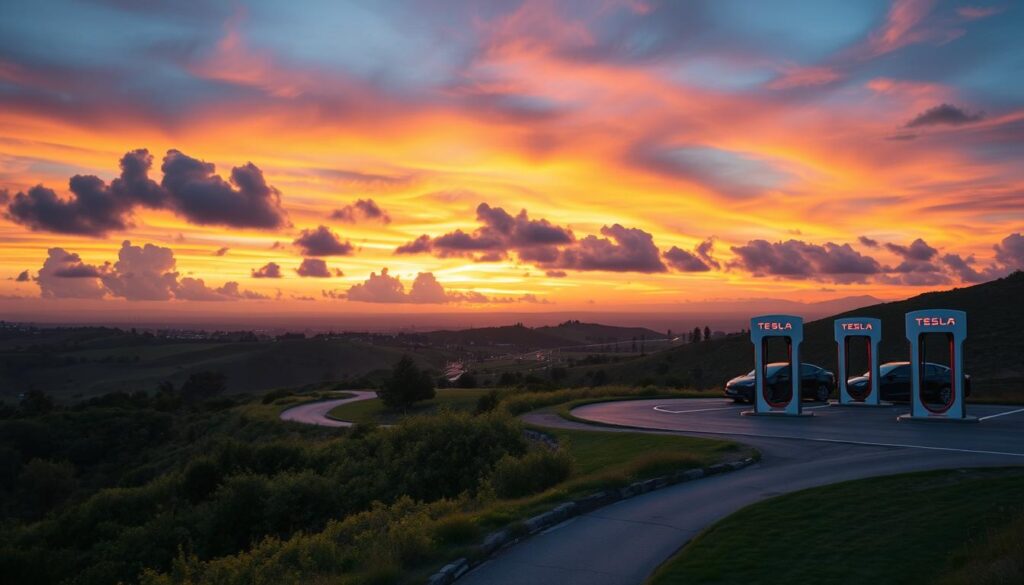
x=315, y=413
x=624, y=543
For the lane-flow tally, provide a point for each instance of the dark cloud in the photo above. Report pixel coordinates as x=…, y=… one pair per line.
x=315, y=268
x=322, y=242
x=189, y=188
x=621, y=250
x=268, y=270
x=381, y=288
x=141, y=273
x=556, y=274
x=361, y=210
x=499, y=234
x=798, y=259
x=195, y=289
x=546, y=245
x=700, y=260
x=944, y=115
x=901, y=137
x=963, y=268
x=868, y=242
x=425, y=289
x=1010, y=251
x=420, y=245
x=23, y=276
x=54, y=286
x=221, y=251
x=918, y=266
x=917, y=250
x=684, y=261
x=205, y=198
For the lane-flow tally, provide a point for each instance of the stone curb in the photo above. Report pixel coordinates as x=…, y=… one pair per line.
x=496, y=541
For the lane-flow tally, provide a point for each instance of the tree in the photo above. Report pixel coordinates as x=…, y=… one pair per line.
x=407, y=384
x=36, y=402
x=47, y=483
x=695, y=335
x=707, y=333
x=203, y=385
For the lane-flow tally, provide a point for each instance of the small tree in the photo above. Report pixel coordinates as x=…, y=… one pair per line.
x=36, y=402
x=707, y=333
x=408, y=384
x=203, y=385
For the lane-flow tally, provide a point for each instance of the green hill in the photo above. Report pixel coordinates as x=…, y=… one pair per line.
x=993, y=352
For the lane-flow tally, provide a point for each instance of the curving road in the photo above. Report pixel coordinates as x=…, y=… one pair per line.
x=624, y=543
x=315, y=413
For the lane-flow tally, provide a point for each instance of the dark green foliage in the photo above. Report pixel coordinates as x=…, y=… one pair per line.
x=466, y=380
x=274, y=395
x=46, y=484
x=207, y=484
x=35, y=402
x=487, y=402
x=202, y=386
x=407, y=385
x=534, y=472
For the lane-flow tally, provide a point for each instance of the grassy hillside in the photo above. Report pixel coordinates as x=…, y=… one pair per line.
x=993, y=353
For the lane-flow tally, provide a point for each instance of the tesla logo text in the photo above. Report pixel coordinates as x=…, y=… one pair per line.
x=774, y=326
x=858, y=326
x=935, y=321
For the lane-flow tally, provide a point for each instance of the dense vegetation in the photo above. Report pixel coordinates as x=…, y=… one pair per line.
x=191, y=486
x=877, y=530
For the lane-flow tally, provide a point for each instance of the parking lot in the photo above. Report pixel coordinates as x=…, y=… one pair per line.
x=1000, y=430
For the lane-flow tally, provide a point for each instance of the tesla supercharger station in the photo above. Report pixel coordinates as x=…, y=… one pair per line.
x=791, y=329
x=954, y=325
x=869, y=330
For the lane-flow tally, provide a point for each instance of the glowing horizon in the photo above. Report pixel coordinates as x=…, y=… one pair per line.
x=518, y=156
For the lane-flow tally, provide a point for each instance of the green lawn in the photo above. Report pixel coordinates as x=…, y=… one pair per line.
x=901, y=529
x=373, y=411
x=619, y=458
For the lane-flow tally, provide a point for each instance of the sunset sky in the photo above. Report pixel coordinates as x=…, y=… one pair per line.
x=345, y=157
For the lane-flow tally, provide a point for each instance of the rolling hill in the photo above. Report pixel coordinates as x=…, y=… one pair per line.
x=521, y=338
x=993, y=352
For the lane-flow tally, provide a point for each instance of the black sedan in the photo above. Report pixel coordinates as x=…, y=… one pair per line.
x=895, y=384
x=815, y=383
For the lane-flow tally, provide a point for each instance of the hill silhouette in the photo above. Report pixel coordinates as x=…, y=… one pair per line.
x=993, y=352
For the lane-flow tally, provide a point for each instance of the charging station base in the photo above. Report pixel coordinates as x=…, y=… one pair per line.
x=832, y=403
x=936, y=419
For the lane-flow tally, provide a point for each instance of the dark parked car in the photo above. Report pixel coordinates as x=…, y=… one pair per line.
x=816, y=383
x=895, y=384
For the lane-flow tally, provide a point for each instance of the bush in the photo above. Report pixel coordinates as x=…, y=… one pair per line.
x=274, y=395
x=46, y=483
x=203, y=385
x=534, y=472
x=487, y=402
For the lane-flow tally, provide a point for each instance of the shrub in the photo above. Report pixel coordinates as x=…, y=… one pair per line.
x=47, y=483
x=274, y=395
x=487, y=402
x=532, y=473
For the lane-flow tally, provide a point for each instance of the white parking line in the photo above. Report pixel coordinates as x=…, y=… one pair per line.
x=660, y=408
x=1002, y=414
